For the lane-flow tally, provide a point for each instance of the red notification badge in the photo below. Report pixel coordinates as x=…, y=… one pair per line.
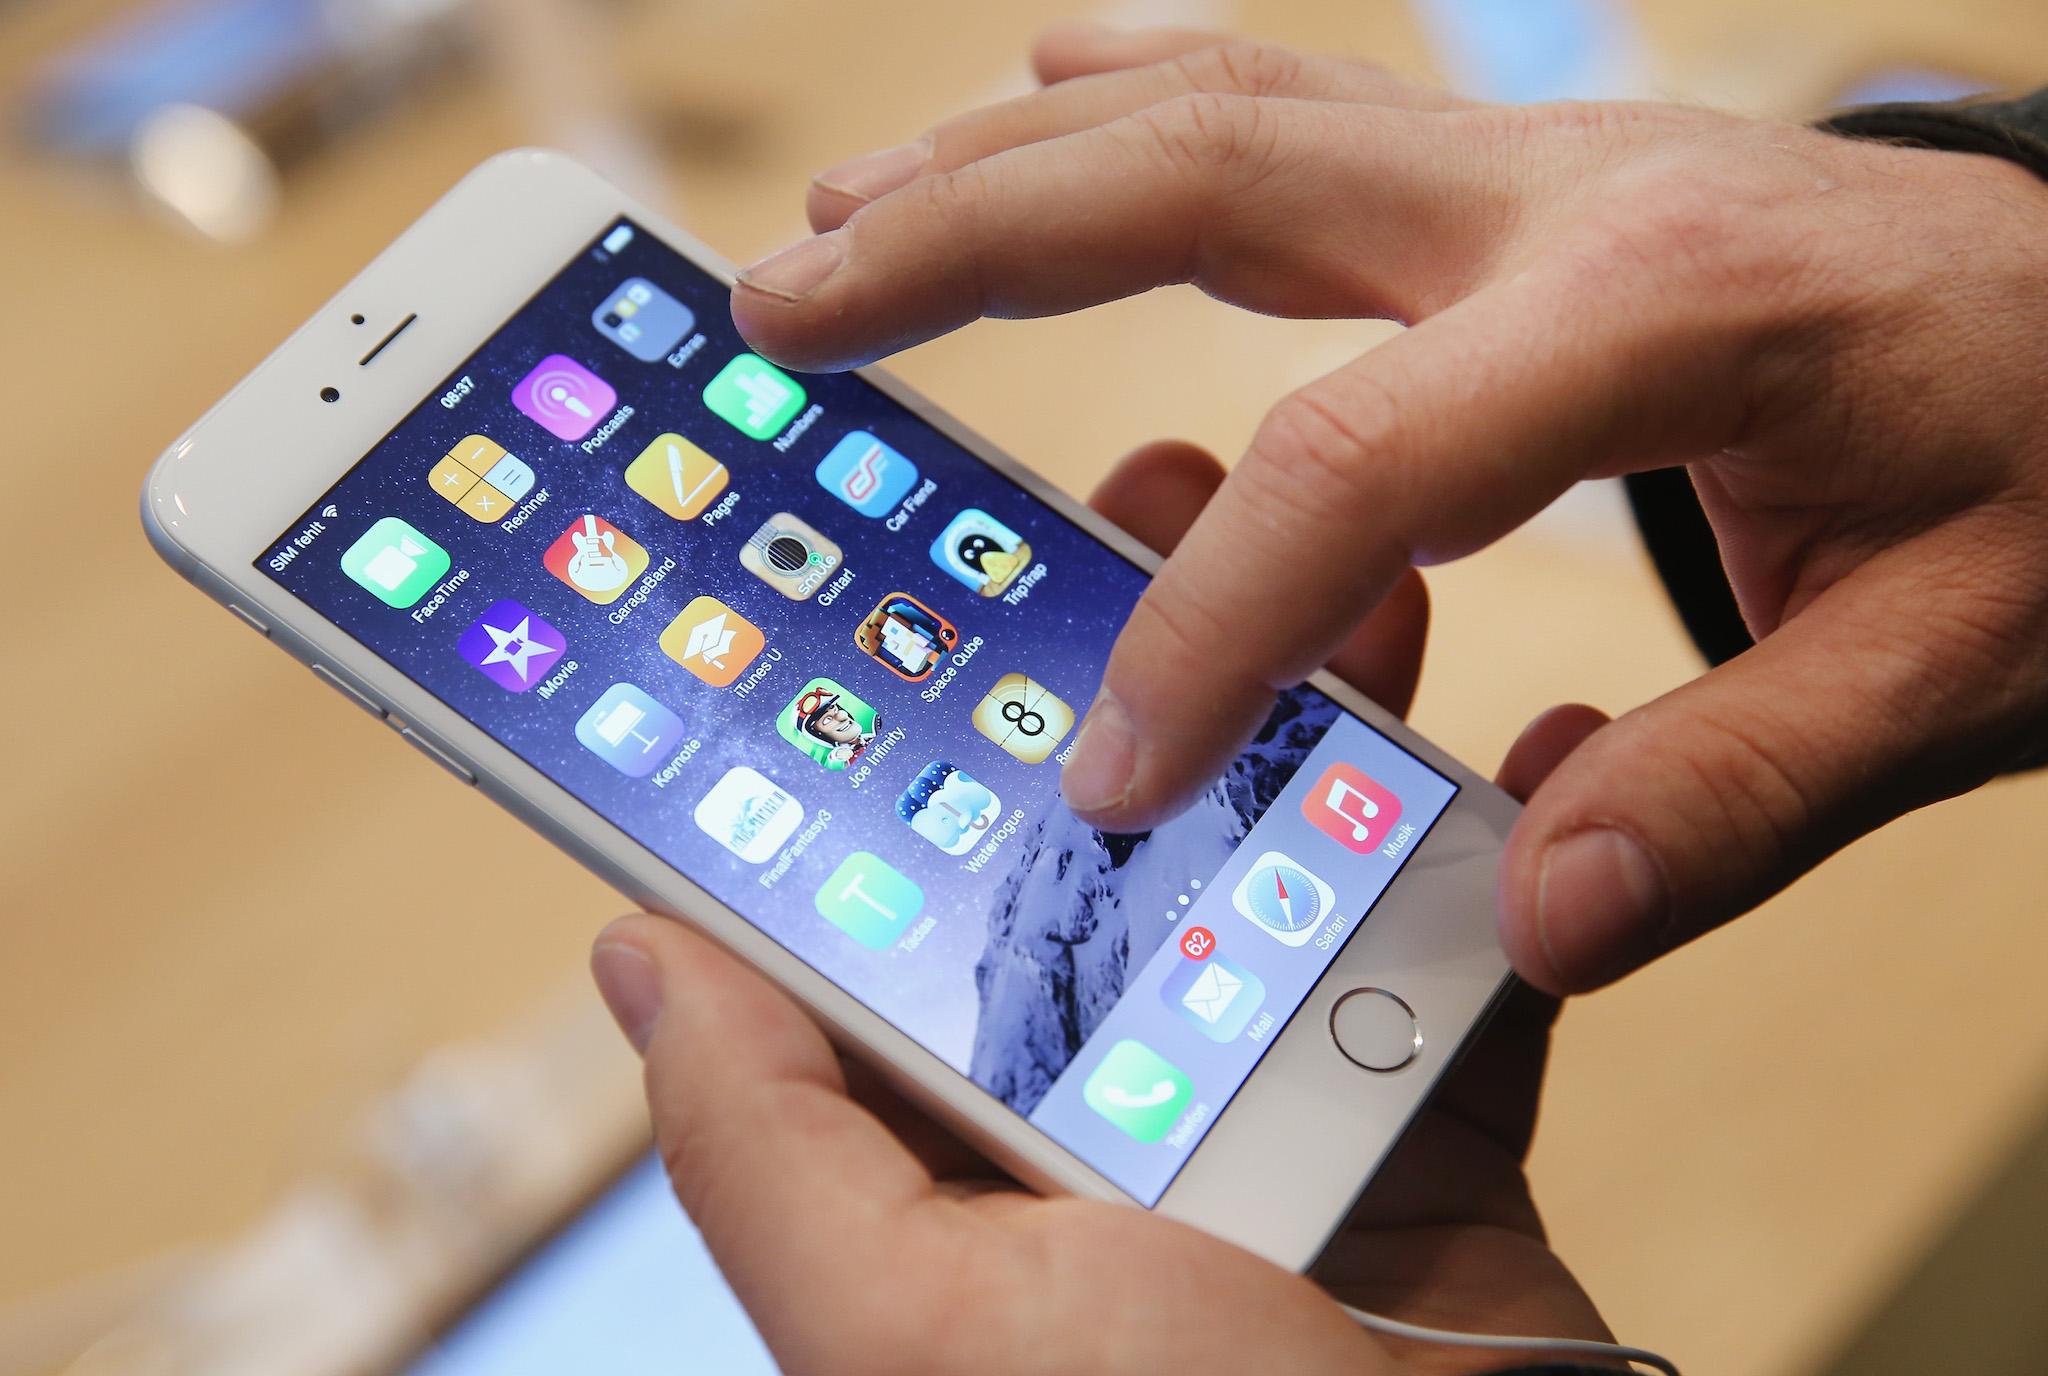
x=1197, y=942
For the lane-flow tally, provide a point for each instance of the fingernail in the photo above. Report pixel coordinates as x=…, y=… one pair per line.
x=877, y=174
x=800, y=269
x=1599, y=906
x=631, y=987
x=1098, y=776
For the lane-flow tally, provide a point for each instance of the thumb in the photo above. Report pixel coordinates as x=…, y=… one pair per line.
x=1696, y=807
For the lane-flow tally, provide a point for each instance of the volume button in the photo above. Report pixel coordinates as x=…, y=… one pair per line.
x=254, y=622
x=438, y=756
x=354, y=695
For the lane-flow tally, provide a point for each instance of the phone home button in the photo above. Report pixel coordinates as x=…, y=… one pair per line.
x=1375, y=1030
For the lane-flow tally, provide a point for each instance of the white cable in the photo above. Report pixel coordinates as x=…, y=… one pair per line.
x=1538, y=1347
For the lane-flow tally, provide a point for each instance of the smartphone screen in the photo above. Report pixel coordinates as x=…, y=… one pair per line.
x=826, y=663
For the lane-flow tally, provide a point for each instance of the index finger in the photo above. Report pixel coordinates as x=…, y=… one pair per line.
x=1423, y=450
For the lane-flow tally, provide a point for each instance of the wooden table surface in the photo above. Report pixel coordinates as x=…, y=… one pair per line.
x=236, y=911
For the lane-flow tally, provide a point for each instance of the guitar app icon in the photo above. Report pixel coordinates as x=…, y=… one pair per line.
x=1351, y=809
x=596, y=558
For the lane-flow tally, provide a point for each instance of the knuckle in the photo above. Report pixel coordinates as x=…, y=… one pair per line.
x=1242, y=66
x=1315, y=448
x=1206, y=133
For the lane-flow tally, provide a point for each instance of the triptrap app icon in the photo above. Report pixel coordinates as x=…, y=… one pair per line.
x=643, y=320
x=1217, y=996
x=868, y=900
x=790, y=556
x=479, y=476
x=1139, y=1090
x=749, y=814
x=1351, y=809
x=754, y=396
x=908, y=637
x=1023, y=717
x=828, y=723
x=866, y=474
x=596, y=558
x=511, y=646
x=677, y=476
x=949, y=807
x=629, y=730
x=395, y=563
x=1283, y=899
x=565, y=398
x=712, y=641
x=981, y=552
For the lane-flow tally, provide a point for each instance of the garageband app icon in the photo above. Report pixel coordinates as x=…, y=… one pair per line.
x=629, y=730
x=596, y=558
x=790, y=556
x=511, y=645
x=483, y=479
x=1218, y=997
x=565, y=398
x=1024, y=717
x=712, y=641
x=829, y=724
x=643, y=319
x=866, y=474
x=981, y=552
x=1351, y=808
x=677, y=476
x=949, y=807
x=906, y=636
x=1284, y=900
x=749, y=814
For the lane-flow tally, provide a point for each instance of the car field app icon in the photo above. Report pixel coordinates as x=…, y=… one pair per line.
x=1139, y=1090
x=749, y=814
x=677, y=476
x=511, y=646
x=1023, y=717
x=1351, y=808
x=1218, y=997
x=596, y=558
x=396, y=563
x=829, y=724
x=866, y=474
x=949, y=807
x=630, y=731
x=790, y=556
x=754, y=396
x=906, y=636
x=643, y=320
x=981, y=552
x=565, y=398
x=483, y=479
x=1284, y=900
x=868, y=900
x=712, y=641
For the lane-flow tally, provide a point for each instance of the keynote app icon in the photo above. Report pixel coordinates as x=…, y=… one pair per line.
x=511, y=646
x=1351, y=808
x=565, y=398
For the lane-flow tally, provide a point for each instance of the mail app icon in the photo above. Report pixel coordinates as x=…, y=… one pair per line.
x=1218, y=997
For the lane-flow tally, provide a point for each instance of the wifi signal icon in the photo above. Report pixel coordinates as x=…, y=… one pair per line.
x=330, y=511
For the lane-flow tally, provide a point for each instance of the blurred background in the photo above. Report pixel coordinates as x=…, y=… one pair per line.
x=296, y=1047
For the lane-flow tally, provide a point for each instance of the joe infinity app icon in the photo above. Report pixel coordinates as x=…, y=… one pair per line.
x=565, y=398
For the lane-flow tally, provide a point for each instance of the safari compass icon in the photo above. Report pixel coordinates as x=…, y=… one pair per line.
x=1284, y=899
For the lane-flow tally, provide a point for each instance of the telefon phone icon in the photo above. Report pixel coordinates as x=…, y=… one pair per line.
x=1161, y=1091
x=1139, y=1090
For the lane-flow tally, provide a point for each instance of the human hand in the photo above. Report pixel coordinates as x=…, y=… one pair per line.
x=1840, y=338
x=863, y=1239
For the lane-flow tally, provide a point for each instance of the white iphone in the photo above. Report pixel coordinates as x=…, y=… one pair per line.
x=797, y=658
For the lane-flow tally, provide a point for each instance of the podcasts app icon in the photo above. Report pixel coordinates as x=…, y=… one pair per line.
x=565, y=398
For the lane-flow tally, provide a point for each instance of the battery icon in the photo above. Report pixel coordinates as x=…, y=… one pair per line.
x=617, y=240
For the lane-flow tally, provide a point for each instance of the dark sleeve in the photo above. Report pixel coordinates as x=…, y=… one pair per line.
x=1667, y=510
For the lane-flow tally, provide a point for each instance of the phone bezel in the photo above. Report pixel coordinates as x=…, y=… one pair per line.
x=1278, y=1170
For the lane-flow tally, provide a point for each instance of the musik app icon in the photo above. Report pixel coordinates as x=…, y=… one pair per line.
x=1351, y=809
x=564, y=398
